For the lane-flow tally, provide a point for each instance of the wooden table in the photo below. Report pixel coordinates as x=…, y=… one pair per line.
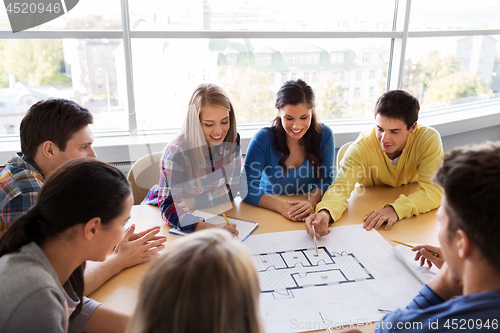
x=121, y=291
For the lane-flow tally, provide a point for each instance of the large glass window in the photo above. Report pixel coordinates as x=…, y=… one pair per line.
x=137, y=71
x=453, y=70
x=261, y=15
x=179, y=65
x=454, y=15
x=88, y=71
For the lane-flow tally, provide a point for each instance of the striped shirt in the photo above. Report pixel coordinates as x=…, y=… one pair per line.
x=217, y=183
x=20, y=182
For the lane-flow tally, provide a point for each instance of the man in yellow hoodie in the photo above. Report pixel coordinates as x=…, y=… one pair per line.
x=397, y=151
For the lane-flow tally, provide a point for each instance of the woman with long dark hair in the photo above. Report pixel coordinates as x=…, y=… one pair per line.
x=295, y=155
x=80, y=215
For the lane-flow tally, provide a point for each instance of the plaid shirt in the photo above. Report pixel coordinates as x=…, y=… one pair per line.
x=20, y=182
x=219, y=182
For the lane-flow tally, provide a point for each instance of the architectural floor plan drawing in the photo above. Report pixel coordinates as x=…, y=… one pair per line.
x=282, y=272
x=355, y=273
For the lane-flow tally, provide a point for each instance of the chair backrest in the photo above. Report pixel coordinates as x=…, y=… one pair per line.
x=143, y=174
x=341, y=153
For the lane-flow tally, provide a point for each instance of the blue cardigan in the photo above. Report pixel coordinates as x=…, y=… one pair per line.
x=264, y=175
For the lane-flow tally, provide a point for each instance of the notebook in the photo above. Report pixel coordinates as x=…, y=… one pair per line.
x=407, y=256
x=244, y=227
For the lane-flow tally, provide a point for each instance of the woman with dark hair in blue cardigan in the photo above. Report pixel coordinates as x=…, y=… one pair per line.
x=293, y=156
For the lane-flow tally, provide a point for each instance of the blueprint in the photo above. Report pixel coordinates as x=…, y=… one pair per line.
x=354, y=273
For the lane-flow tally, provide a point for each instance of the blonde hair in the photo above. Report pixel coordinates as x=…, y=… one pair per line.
x=206, y=94
x=207, y=283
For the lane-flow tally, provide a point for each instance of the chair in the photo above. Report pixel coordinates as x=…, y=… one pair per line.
x=143, y=174
x=341, y=153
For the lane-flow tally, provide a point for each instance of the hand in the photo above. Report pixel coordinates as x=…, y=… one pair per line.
x=376, y=218
x=445, y=284
x=300, y=209
x=186, y=204
x=284, y=209
x=224, y=226
x=352, y=330
x=424, y=254
x=135, y=249
x=320, y=222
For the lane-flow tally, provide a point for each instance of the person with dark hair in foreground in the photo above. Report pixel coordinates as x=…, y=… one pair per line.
x=397, y=151
x=465, y=294
x=294, y=156
x=80, y=215
x=52, y=132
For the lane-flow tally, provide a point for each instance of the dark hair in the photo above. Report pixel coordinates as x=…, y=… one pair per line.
x=79, y=190
x=398, y=104
x=53, y=120
x=293, y=93
x=470, y=178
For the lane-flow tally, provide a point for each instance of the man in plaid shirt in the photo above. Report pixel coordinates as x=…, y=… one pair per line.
x=53, y=132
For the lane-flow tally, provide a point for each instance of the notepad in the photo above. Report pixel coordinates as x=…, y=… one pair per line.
x=407, y=256
x=244, y=227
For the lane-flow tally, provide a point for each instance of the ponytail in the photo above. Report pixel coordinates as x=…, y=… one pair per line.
x=26, y=229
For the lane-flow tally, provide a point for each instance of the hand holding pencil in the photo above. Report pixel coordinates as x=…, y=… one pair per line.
x=430, y=253
x=427, y=253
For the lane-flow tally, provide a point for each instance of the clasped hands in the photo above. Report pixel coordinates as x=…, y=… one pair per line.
x=296, y=210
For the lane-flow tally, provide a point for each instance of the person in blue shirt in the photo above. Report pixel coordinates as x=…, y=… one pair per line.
x=465, y=294
x=293, y=156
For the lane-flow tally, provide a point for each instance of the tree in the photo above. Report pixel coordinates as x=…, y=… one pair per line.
x=330, y=100
x=249, y=92
x=34, y=62
x=453, y=88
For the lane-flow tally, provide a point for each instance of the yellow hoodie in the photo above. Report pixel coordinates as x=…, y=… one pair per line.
x=364, y=162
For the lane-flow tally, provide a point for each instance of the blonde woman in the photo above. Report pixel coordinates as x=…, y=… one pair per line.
x=200, y=168
x=207, y=283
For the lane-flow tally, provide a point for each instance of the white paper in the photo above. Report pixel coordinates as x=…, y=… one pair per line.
x=407, y=256
x=355, y=274
x=245, y=228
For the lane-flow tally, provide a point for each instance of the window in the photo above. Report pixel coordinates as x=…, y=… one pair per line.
x=165, y=49
x=294, y=76
x=468, y=68
x=357, y=92
x=337, y=57
x=263, y=59
x=231, y=59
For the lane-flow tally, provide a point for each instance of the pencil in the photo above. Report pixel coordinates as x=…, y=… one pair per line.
x=433, y=253
x=314, y=236
x=225, y=217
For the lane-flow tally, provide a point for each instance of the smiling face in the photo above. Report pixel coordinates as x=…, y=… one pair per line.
x=296, y=120
x=215, y=124
x=392, y=134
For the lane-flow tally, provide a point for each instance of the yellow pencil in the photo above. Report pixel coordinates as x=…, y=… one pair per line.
x=433, y=253
x=225, y=217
